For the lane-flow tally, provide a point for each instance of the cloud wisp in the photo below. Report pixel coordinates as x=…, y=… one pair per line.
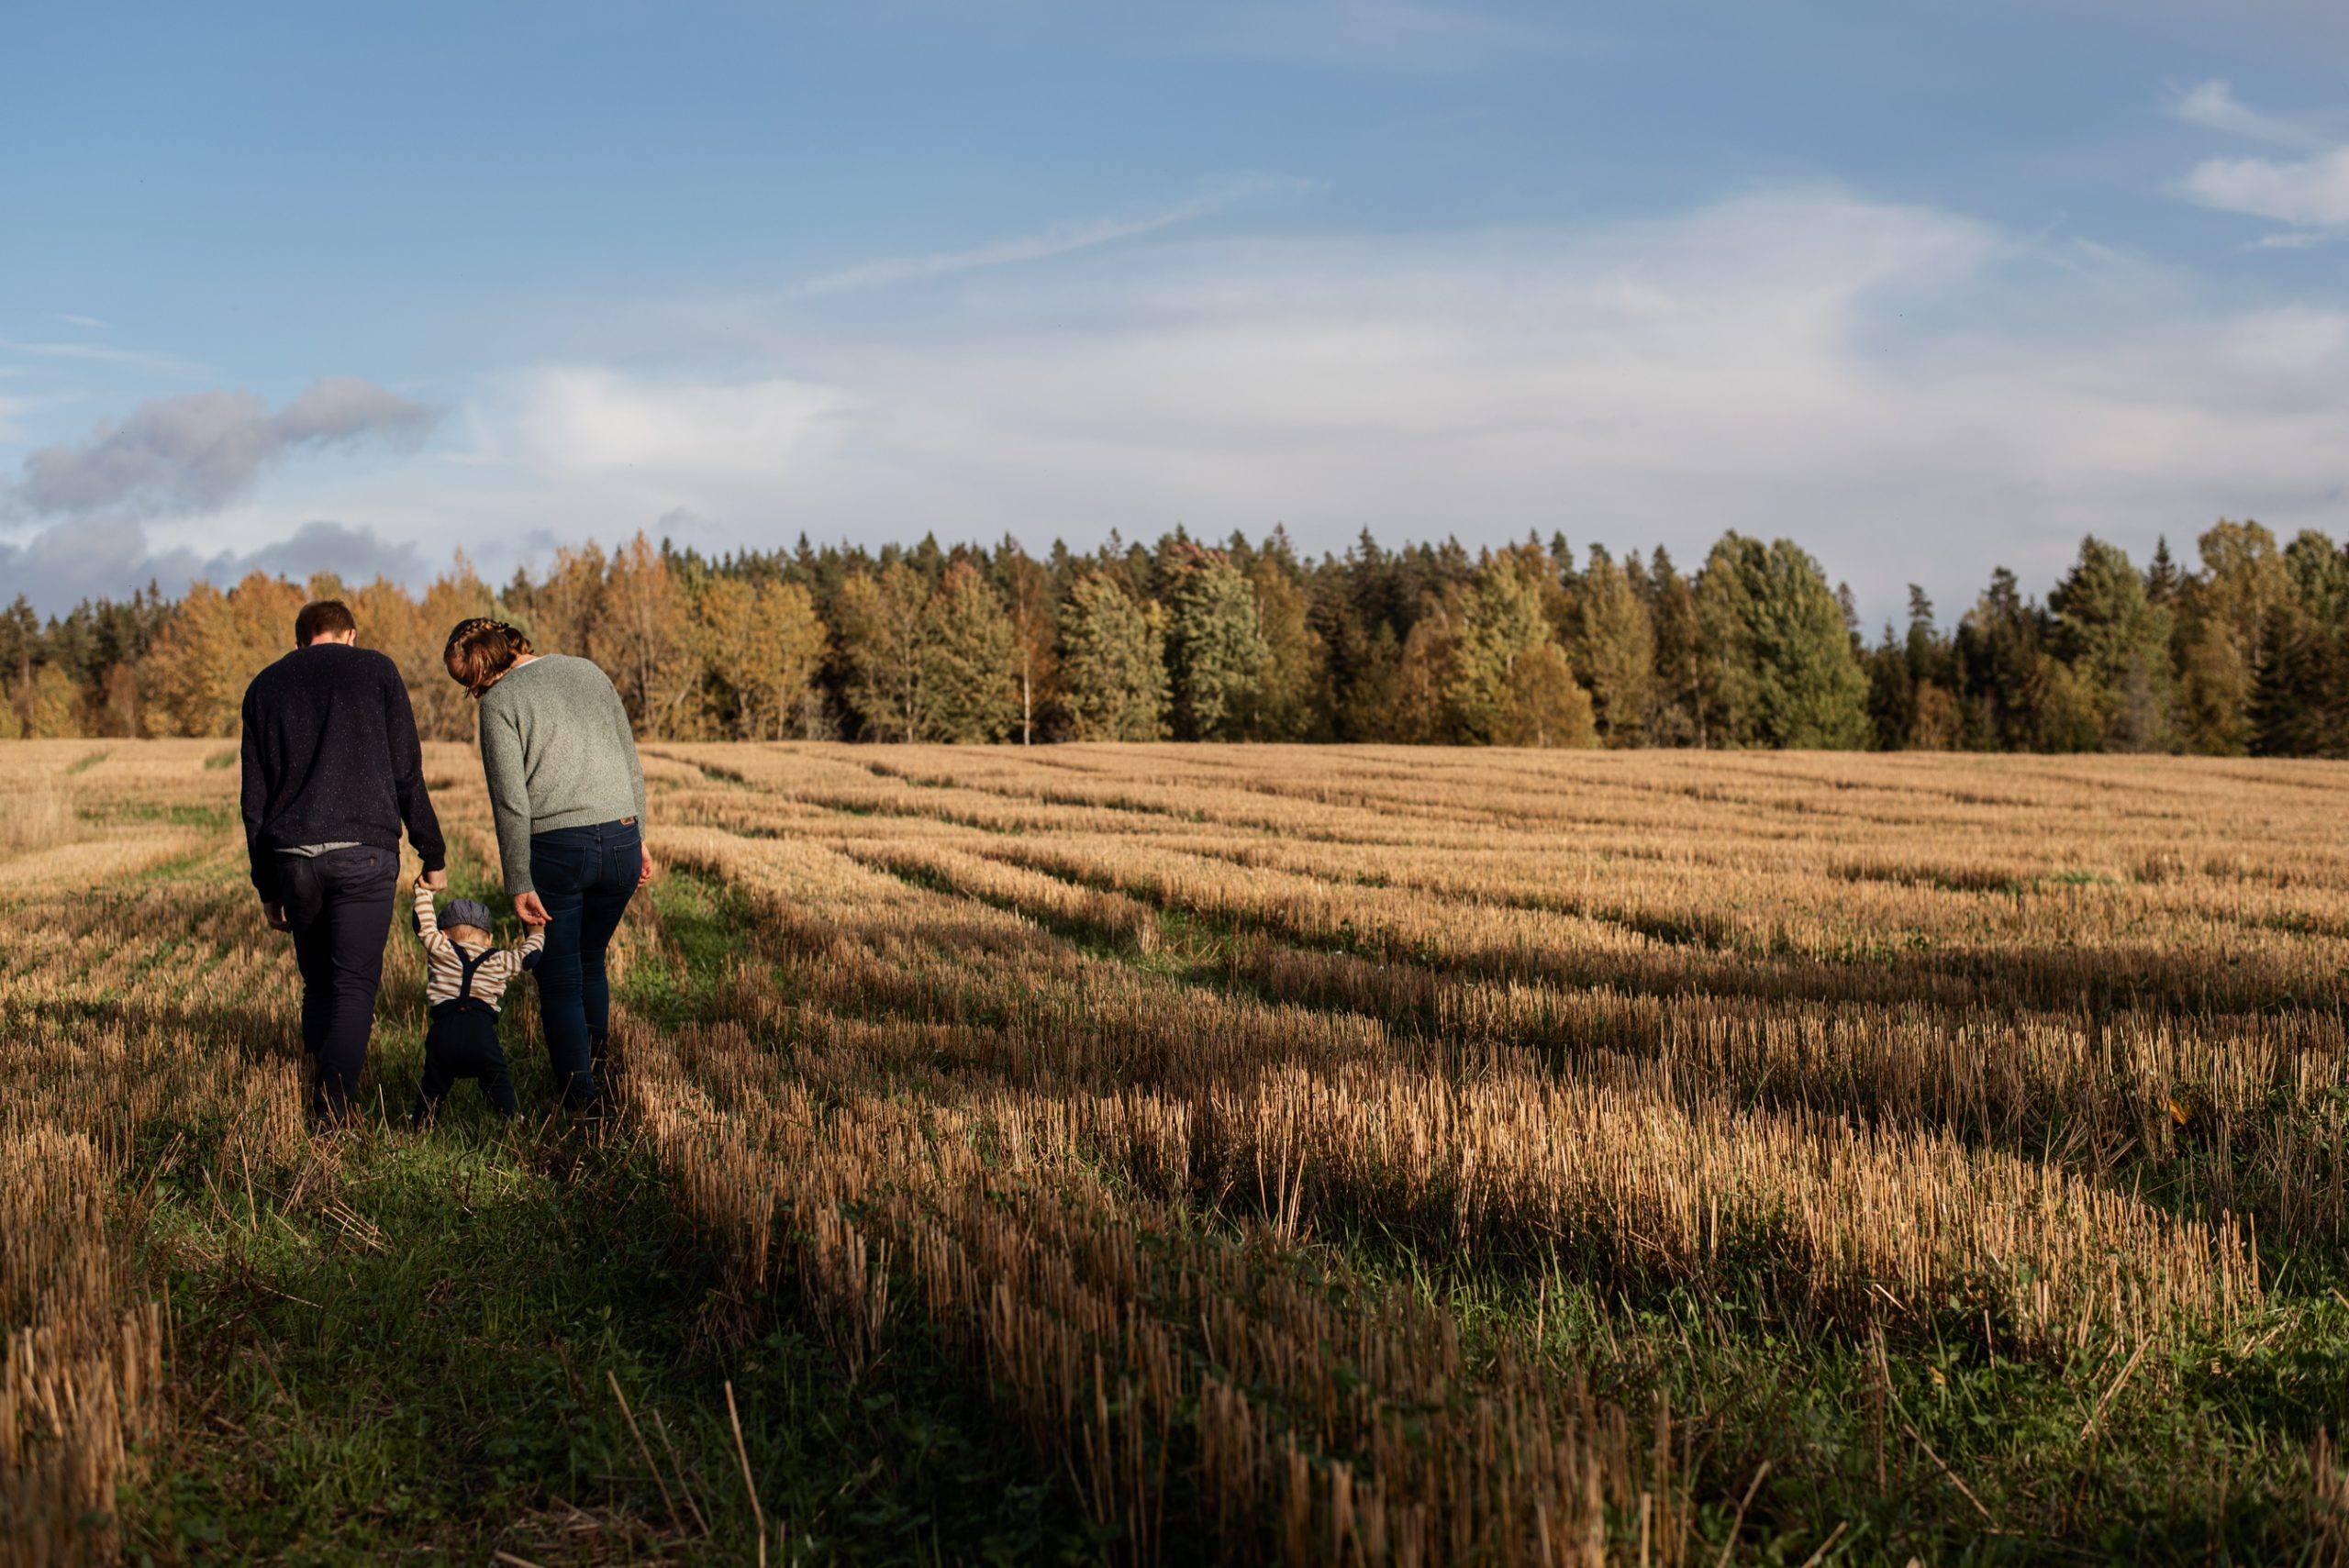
x=139, y=360
x=199, y=451
x=2311, y=194
x=1059, y=239
x=2215, y=107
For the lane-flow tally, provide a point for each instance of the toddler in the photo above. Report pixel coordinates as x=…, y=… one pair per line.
x=465, y=975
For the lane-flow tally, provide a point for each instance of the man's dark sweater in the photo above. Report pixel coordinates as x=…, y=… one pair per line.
x=331, y=757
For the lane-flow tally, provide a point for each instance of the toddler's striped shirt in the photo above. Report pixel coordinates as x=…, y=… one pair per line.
x=444, y=976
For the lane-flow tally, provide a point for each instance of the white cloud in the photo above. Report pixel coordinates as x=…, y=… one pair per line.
x=89, y=321
x=1059, y=240
x=2313, y=191
x=611, y=428
x=2213, y=105
x=2290, y=239
x=1913, y=395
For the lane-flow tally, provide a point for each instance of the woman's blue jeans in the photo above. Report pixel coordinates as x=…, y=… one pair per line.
x=584, y=876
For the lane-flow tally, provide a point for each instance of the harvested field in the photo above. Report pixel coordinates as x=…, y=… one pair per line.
x=1170, y=1154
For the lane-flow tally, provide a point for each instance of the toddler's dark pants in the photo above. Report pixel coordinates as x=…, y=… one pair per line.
x=462, y=1043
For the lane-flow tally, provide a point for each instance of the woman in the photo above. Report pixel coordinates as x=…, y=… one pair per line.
x=568, y=794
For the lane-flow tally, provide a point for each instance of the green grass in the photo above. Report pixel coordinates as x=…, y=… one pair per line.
x=214, y=819
x=2182, y=1466
x=416, y=1357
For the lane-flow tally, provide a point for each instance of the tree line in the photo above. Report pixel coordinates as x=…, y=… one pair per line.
x=2246, y=651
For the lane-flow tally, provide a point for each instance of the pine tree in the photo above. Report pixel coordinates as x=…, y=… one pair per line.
x=1997, y=652
x=1113, y=662
x=1374, y=703
x=2116, y=641
x=1676, y=701
x=970, y=662
x=1728, y=690
x=20, y=641
x=1215, y=651
x=1778, y=649
x=1614, y=648
x=1892, y=693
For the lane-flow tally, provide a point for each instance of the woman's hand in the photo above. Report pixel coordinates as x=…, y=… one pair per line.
x=645, y=875
x=528, y=906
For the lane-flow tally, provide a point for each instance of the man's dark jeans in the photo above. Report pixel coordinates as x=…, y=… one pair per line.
x=340, y=905
x=584, y=876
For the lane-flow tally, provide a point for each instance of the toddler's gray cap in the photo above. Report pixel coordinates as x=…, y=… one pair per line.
x=466, y=912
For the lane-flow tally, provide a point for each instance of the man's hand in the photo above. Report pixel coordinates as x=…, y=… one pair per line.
x=528, y=906
x=433, y=880
x=275, y=915
x=646, y=875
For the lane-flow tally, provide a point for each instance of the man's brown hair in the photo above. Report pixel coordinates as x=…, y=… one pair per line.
x=322, y=617
x=482, y=648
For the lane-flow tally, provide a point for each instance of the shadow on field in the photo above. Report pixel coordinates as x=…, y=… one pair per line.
x=251, y=1033
x=421, y=1343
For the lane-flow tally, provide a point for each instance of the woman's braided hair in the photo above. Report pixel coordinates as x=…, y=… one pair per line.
x=479, y=649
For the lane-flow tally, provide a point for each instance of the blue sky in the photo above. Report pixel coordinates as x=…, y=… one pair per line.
x=1929, y=288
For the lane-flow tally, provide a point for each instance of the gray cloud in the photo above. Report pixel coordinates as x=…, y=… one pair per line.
x=200, y=451
x=68, y=562
x=354, y=554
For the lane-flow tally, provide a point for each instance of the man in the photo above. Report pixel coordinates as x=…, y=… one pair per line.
x=332, y=770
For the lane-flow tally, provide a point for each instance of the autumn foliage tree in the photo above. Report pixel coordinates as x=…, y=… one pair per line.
x=2247, y=650
x=760, y=644
x=881, y=628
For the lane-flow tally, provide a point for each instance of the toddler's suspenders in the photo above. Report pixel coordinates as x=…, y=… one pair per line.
x=465, y=984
